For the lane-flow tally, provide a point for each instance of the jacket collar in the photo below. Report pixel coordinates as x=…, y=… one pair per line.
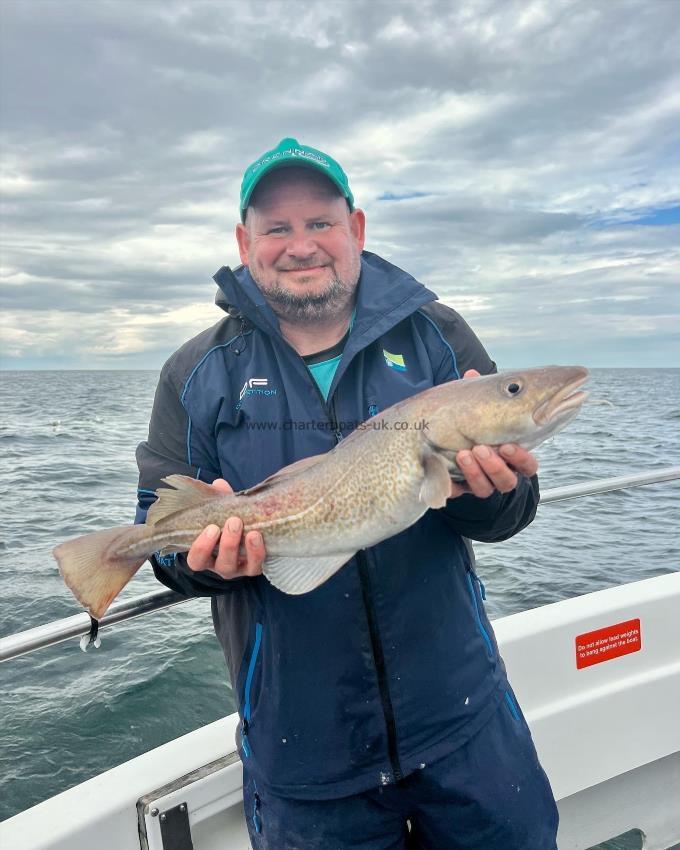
x=385, y=295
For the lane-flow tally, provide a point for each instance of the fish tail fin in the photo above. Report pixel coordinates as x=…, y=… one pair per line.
x=96, y=567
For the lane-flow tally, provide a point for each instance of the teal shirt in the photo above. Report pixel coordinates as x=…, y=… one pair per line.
x=323, y=364
x=324, y=372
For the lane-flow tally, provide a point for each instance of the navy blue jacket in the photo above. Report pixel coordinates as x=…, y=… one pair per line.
x=391, y=663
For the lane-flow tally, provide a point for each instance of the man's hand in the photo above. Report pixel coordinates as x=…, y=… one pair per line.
x=235, y=558
x=486, y=469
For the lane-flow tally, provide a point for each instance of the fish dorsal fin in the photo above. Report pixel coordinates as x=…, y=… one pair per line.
x=186, y=493
x=283, y=474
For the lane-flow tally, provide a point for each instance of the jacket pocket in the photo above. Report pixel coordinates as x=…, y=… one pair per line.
x=248, y=689
x=478, y=594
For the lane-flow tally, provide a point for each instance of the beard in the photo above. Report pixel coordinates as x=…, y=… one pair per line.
x=310, y=308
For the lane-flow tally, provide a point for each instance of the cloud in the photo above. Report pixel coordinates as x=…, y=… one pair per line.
x=518, y=157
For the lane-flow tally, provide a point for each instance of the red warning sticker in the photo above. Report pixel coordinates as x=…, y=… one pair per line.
x=610, y=642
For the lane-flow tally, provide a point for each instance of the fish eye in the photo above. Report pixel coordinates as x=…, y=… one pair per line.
x=513, y=388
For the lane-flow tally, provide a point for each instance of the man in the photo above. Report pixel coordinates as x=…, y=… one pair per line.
x=379, y=699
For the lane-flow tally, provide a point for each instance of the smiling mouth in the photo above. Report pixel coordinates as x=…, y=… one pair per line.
x=569, y=398
x=304, y=270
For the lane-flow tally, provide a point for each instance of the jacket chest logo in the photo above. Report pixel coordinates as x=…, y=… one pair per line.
x=255, y=387
x=394, y=361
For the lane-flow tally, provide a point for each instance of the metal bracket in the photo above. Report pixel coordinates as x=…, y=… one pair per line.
x=175, y=830
x=92, y=638
x=182, y=790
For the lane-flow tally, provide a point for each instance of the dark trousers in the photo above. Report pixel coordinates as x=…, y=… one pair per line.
x=491, y=794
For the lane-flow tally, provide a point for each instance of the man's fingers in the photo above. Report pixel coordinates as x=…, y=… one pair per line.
x=227, y=560
x=495, y=468
x=471, y=373
x=255, y=554
x=200, y=555
x=470, y=466
x=235, y=556
x=519, y=459
x=485, y=471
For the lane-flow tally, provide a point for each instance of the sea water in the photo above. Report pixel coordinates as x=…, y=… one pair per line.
x=67, y=467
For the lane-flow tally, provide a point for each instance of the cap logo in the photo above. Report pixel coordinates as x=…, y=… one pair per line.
x=287, y=153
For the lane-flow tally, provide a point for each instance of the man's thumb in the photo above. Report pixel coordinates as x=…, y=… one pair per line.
x=222, y=485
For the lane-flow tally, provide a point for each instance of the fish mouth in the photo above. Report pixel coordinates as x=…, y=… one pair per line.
x=566, y=400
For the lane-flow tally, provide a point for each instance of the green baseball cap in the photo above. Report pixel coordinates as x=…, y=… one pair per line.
x=290, y=152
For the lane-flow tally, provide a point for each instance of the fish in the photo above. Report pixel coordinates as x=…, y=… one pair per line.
x=315, y=514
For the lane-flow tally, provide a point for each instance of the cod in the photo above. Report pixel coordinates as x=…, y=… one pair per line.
x=315, y=514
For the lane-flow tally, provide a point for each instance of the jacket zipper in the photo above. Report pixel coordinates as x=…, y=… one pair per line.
x=379, y=660
x=329, y=407
x=334, y=420
x=376, y=644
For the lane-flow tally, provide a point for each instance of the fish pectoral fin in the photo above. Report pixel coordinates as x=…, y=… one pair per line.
x=186, y=493
x=435, y=489
x=296, y=575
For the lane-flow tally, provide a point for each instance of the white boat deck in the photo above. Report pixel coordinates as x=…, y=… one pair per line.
x=608, y=735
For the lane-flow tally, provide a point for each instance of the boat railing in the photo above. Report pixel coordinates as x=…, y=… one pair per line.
x=80, y=625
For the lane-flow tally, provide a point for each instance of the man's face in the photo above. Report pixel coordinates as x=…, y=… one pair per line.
x=302, y=245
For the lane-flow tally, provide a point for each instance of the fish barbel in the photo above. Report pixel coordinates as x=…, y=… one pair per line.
x=315, y=514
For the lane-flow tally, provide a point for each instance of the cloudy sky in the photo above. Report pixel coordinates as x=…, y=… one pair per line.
x=521, y=158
